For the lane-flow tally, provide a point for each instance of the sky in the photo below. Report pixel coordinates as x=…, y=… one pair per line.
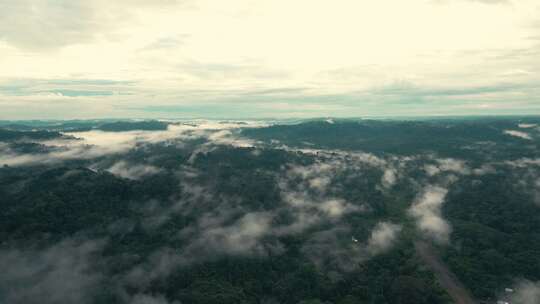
x=69, y=59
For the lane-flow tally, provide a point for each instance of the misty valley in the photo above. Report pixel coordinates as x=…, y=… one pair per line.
x=334, y=211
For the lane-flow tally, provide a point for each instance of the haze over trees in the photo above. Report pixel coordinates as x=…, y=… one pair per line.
x=229, y=212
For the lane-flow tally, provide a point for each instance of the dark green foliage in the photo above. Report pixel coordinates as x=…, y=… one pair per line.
x=494, y=216
x=496, y=233
x=10, y=135
x=121, y=126
x=446, y=138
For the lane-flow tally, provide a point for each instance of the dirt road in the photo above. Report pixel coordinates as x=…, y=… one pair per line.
x=446, y=278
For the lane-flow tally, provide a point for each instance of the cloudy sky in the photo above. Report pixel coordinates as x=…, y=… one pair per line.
x=268, y=58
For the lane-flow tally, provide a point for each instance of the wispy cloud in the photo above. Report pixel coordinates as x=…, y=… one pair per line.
x=426, y=209
x=62, y=273
x=519, y=134
x=132, y=171
x=526, y=292
x=382, y=237
x=95, y=143
x=447, y=165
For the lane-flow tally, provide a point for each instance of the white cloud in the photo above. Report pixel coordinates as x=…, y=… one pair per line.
x=527, y=126
x=311, y=210
x=62, y=273
x=382, y=237
x=242, y=237
x=526, y=293
x=432, y=170
x=333, y=249
x=224, y=228
x=523, y=162
x=426, y=209
x=389, y=177
x=484, y=169
x=320, y=183
x=519, y=134
x=132, y=171
x=335, y=208
x=96, y=143
x=318, y=176
x=308, y=192
x=447, y=165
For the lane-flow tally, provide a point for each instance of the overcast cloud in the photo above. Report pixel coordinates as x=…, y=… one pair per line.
x=201, y=58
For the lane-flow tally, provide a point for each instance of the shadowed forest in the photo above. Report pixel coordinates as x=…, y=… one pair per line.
x=318, y=211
